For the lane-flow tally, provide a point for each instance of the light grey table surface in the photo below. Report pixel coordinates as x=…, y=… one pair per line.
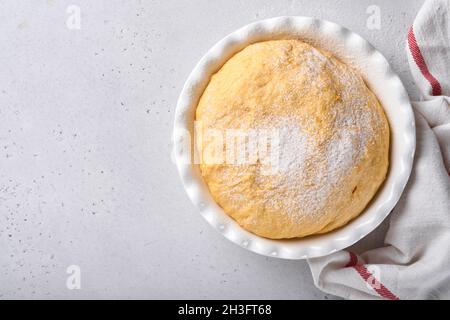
x=86, y=177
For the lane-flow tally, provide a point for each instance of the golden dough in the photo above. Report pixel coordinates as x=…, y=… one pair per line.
x=328, y=146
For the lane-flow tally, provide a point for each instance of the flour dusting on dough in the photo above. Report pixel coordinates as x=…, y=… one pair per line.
x=333, y=139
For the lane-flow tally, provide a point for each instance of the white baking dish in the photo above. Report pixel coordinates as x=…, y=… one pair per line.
x=356, y=52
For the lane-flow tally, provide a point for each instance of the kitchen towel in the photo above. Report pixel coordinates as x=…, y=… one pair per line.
x=414, y=260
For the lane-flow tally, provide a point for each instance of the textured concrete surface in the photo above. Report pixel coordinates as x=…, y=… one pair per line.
x=85, y=172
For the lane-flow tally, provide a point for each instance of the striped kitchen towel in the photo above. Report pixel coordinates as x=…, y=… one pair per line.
x=414, y=261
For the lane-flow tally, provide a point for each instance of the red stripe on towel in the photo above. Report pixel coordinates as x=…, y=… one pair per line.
x=369, y=278
x=353, y=260
x=420, y=61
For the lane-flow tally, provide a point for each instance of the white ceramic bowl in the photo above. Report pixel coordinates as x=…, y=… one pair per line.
x=353, y=50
